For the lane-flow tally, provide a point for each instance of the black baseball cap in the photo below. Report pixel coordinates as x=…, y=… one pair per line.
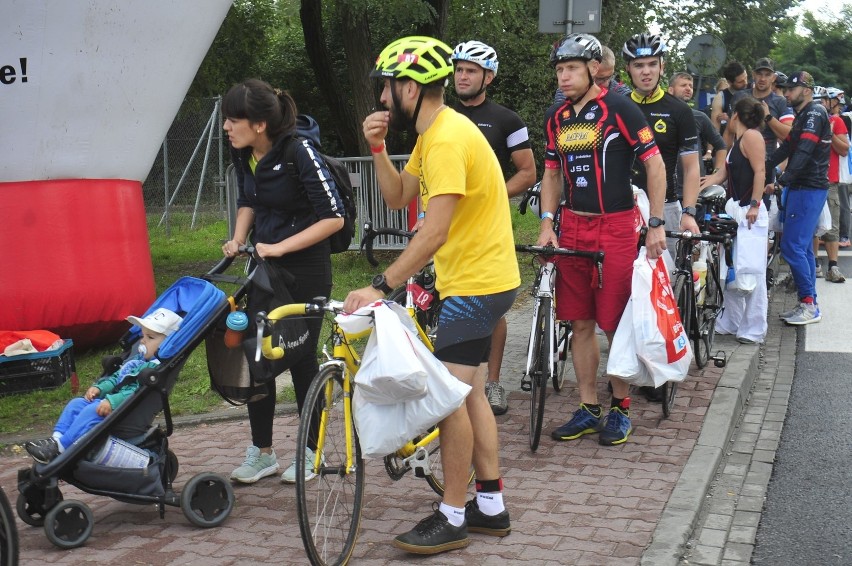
x=800, y=78
x=764, y=63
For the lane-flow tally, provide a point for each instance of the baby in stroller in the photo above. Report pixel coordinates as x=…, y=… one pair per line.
x=83, y=413
x=91, y=449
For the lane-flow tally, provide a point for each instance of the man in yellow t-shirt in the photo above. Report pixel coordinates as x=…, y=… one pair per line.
x=468, y=232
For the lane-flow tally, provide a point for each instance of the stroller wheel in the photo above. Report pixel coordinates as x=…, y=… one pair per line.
x=69, y=524
x=31, y=507
x=207, y=500
x=173, y=465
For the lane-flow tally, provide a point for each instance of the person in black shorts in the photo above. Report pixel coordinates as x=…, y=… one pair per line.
x=475, y=68
x=592, y=139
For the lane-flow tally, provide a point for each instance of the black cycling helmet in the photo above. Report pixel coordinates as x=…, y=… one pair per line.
x=576, y=46
x=780, y=78
x=643, y=45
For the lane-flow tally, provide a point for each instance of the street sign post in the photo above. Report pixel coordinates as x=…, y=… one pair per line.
x=569, y=16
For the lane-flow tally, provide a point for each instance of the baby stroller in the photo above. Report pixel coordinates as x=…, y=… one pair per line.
x=206, y=500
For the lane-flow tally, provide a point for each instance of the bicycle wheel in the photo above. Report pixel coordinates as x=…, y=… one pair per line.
x=772, y=263
x=564, y=333
x=706, y=315
x=329, y=504
x=684, y=290
x=436, y=478
x=542, y=352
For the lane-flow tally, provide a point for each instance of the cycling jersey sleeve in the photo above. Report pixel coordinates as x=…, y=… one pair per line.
x=687, y=130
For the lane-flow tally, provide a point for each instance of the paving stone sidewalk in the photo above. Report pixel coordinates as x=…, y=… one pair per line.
x=571, y=503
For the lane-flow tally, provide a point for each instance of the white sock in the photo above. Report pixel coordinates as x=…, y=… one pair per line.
x=490, y=503
x=57, y=435
x=455, y=515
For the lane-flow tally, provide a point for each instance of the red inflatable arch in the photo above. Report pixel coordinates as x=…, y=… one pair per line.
x=89, y=89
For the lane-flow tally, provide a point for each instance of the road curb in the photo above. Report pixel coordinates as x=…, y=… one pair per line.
x=679, y=517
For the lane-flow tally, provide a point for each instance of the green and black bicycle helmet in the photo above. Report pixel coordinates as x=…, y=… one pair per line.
x=643, y=45
x=419, y=58
x=576, y=46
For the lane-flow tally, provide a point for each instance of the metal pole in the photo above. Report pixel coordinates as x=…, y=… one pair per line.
x=210, y=135
x=569, y=26
x=166, y=185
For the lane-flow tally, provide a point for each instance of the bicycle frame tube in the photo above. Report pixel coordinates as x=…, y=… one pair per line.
x=544, y=288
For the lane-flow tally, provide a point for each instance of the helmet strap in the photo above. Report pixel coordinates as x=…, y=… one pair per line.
x=400, y=122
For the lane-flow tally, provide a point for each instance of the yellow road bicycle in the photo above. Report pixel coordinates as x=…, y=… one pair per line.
x=329, y=495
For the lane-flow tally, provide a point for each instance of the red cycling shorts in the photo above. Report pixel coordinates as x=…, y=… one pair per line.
x=578, y=296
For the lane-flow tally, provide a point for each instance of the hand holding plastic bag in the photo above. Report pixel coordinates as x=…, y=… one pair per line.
x=659, y=337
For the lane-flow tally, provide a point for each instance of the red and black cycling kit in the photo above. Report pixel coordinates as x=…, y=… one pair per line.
x=594, y=148
x=674, y=131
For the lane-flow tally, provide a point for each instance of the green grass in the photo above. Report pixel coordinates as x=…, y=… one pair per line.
x=193, y=252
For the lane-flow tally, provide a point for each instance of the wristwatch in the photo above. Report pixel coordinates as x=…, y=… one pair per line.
x=755, y=204
x=381, y=283
x=655, y=222
x=767, y=119
x=690, y=210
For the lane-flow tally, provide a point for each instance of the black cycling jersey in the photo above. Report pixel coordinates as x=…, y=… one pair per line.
x=594, y=148
x=503, y=128
x=807, y=146
x=674, y=130
x=740, y=175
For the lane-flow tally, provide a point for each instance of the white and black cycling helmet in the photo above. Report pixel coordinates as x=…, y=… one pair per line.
x=643, y=45
x=476, y=52
x=819, y=92
x=833, y=93
x=576, y=46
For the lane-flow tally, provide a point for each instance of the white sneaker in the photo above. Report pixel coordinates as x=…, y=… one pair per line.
x=256, y=465
x=289, y=475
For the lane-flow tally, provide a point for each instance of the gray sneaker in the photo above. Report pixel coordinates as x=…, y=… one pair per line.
x=787, y=314
x=808, y=313
x=256, y=465
x=818, y=271
x=496, y=395
x=834, y=275
x=289, y=475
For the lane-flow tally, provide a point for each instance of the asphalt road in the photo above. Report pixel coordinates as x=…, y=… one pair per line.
x=808, y=511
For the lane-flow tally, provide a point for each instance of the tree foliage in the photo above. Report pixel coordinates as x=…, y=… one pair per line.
x=821, y=50
x=322, y=51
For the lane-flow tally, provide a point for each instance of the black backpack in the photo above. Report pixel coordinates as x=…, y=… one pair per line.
x=341, y=239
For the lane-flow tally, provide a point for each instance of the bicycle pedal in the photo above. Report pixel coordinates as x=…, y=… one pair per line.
x=526, y=383
x=720, y=360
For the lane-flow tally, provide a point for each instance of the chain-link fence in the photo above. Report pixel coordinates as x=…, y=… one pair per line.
x=186, y=185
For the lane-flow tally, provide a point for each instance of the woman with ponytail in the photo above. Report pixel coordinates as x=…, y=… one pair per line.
x=288, y=211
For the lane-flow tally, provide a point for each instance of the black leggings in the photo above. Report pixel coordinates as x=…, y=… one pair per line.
x=312, y=271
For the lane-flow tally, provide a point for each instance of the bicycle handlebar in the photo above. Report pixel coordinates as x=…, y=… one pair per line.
x=264, y=343
x=371, y=234
x=724, y=238
x=595, y=256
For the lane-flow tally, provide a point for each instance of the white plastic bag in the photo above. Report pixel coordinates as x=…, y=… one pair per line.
x=750, y=243
x=383, y=429
x=661, y=342
x=390, y=370
x=623, y=362
x=824, y=224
